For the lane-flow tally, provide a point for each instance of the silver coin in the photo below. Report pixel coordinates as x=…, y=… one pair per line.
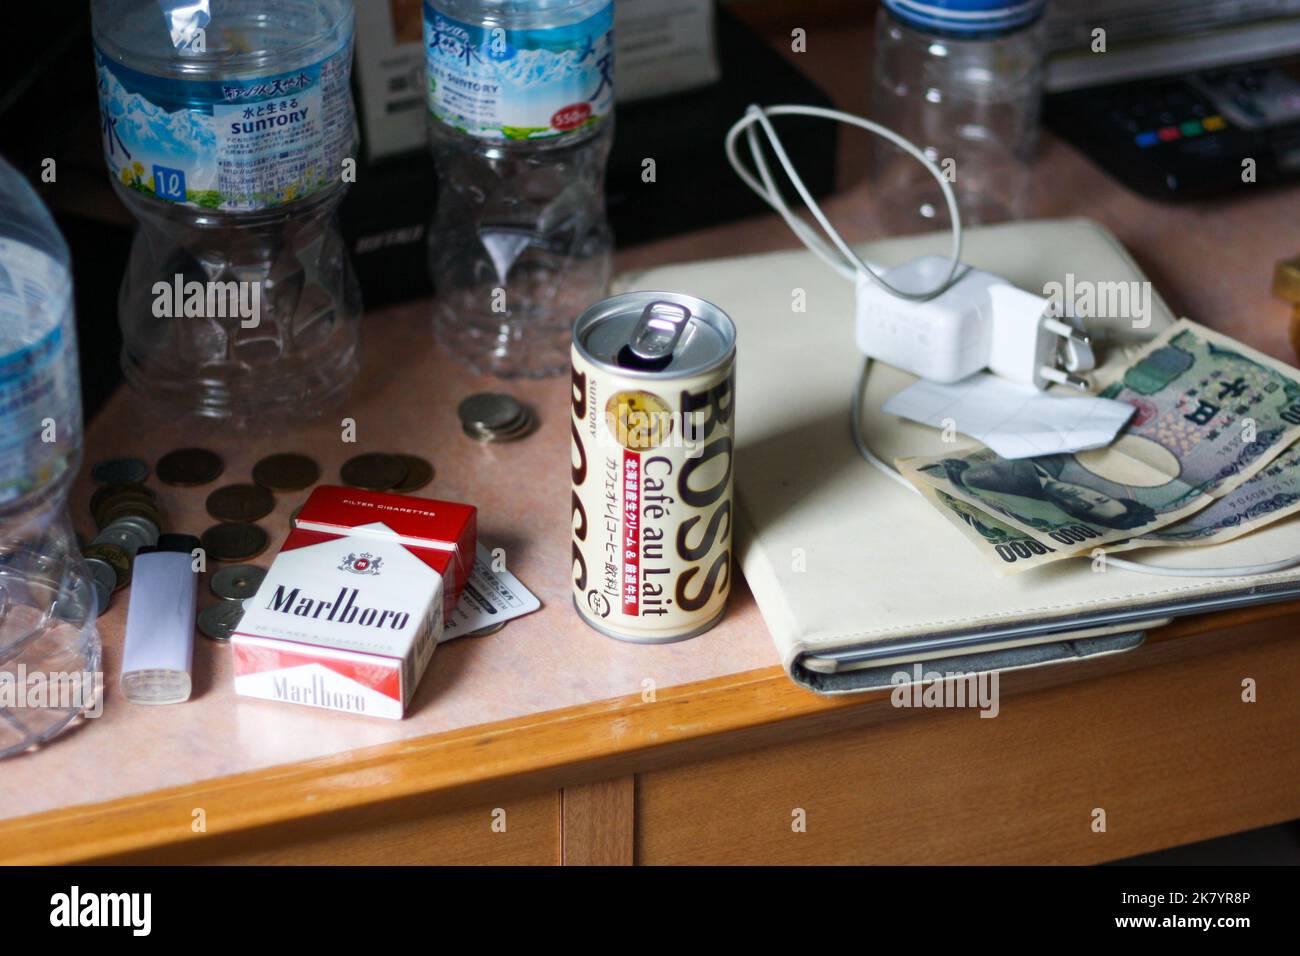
x=102, y=573
x=219, y=620
x=127, y=538
x=237, y=582
x=130, y=532
x=491, y=411
x=513, y=431
x=485, y=631
x=103, y=594
x=114, y=471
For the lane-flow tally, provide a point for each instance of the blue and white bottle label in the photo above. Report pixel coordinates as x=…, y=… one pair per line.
x=498, y=83
x=40, y=392
x=235, y=145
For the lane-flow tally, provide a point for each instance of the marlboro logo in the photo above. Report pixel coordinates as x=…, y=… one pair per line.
x=343, y=609
x=364, y=563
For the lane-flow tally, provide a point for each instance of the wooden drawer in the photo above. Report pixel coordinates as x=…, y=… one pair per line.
x=389, y=836
x=1171, y=753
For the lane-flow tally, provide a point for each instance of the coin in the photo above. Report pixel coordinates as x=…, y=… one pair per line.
x=117, y=509
x=124, y=490
x=236, y=582
x=114, y=471
x=286, y=472
x=490, y=411
x=374, y=471
x=116, y=557
x=485, y=631
x=129, y=533
x=147, y=528
x=418, y=474
x=240, y=503
x=218, y=621
x=510, y=432
x=103, y=595
x=189, y=466
x=101, y=572
x=234, y=542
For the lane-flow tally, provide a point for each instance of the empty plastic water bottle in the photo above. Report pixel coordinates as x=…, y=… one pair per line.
x=228, y=127
x=49, y=645
x=521, y=101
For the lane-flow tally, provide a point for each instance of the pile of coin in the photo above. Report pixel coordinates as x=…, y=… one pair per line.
x=380, y=471
x=127, y=515
x=233, y=585
x=495, y=417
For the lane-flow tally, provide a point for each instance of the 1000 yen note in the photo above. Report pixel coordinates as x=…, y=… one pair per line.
x=1210, y=414
x=1011, y=549
x=1057, y=500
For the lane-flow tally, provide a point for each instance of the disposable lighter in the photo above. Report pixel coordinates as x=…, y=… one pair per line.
x=160, y=622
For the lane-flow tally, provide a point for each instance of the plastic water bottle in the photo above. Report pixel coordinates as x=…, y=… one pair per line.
x=963, y=80
x=521, y=103
x=228, y=129
x=48, y=638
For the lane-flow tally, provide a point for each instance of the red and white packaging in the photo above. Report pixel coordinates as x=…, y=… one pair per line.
x=353, y=605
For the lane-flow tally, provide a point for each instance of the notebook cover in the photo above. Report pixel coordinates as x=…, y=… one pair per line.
x=839, y=556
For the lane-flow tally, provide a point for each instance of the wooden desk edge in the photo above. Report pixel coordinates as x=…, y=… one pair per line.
x=549, y=750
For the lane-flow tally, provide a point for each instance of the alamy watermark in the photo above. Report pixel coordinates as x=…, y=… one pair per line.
x=922, y=689
x=209, y=300
x=21, y=689
x=1086, y=299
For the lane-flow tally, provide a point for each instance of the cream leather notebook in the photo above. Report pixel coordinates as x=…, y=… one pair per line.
x=855, y=576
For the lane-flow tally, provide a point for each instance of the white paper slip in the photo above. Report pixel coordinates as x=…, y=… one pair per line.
x=490, y=597
x=1016, y=421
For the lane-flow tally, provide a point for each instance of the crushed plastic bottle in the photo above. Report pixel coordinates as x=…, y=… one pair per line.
x=521, y=108
x=227, y=128
x=49, y=644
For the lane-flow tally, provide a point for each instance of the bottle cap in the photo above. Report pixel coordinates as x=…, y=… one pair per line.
x=967, y=19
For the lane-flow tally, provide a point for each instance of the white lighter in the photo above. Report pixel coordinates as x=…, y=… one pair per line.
x=160, y=622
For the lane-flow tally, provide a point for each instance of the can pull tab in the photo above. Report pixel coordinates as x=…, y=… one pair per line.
x=655, y=336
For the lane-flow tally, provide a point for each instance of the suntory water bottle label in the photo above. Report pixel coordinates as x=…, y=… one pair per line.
x=237, y=144
x=353, y=605
x=501, y=83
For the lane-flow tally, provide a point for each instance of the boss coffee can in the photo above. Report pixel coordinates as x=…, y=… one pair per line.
x=653, y=401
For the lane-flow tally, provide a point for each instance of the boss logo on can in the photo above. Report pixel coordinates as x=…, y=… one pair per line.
x=652, y=400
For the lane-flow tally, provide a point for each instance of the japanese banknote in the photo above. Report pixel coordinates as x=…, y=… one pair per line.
x=1205, y=458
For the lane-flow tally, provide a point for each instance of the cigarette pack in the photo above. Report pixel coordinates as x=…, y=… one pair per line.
x=353, y=605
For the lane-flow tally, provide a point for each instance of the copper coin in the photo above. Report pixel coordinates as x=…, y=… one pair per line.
x=418, y=474
x=189, y=466
x=286, y=472
x=240, y=503
x=374, y=472
x=234, y=542
x=116, y=557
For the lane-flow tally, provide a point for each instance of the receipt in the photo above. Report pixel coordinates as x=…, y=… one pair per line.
x=489, y=597
x=1016, y=421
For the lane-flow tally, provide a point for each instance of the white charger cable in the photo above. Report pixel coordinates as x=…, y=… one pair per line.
x=932, y=317
x=1075, y=348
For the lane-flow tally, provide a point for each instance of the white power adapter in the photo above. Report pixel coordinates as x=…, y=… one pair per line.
x=980, y=321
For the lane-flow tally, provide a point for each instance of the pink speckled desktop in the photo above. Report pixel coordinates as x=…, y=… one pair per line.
x=1210, y=261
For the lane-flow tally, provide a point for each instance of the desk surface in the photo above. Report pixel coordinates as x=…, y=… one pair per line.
x=1210, y=261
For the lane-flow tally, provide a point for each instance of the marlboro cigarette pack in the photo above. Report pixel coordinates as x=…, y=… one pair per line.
x=352, y=607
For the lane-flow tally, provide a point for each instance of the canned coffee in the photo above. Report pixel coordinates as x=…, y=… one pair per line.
x=653, y=400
